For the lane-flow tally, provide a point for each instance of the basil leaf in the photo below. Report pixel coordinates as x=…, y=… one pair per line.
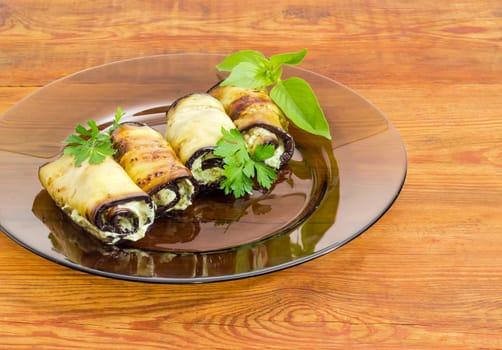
x=292, y=58
x=251, y=69
x=272, y=74
x=298, y=101
x=247, y=75
x=233, y=60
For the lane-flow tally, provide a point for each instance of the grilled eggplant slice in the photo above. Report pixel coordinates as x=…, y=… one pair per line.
x=194, y=124
x=259, y=120
x=152, y=164
x=100, y=198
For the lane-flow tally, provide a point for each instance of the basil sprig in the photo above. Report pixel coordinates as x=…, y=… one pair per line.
x=251, y=69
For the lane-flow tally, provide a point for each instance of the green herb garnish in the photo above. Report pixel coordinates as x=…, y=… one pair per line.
x=92, y=143
x=240, y=167
x=119, y=113
x=251, y=69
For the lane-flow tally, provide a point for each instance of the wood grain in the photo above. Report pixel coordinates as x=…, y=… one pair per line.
x=428, y=275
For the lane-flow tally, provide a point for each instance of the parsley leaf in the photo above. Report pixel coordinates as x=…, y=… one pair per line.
x=251, y=69
x=263, y=152
x=119, y=113
x=265, y=175
x=240, y=168
x=91, y=143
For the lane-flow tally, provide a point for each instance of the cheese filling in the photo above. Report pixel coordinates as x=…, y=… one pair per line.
x=186, y=190
x=132, y=227
x=253, y=138
x=165, y=196
x=206, y=176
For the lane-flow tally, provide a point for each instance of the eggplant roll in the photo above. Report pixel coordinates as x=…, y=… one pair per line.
x=152, y=164
x=194, y=124
x=100, y=198
x=259, y=120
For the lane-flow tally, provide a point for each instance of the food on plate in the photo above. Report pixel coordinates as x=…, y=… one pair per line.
x=194, y=126
x=258, y=119
x=243, y=171
x=251, y=69
x=100, y=198
x=114, y=181
x=152, y=164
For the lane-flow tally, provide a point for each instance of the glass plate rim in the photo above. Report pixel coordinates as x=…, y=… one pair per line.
x=216, y=278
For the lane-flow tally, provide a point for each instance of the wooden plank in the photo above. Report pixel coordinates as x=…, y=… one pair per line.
x=428, y=275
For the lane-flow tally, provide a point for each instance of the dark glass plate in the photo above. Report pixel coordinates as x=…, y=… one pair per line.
x=328, y=194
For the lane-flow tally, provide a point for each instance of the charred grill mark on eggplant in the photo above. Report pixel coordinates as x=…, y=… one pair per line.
x=154, y=166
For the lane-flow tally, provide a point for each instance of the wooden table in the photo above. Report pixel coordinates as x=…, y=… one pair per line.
x=428, y=275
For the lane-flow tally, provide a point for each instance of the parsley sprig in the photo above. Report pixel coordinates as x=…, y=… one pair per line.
x=240, y=167
x=92, y=143
x=251, y=69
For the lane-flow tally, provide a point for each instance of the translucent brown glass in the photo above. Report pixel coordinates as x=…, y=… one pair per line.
x=330, y=192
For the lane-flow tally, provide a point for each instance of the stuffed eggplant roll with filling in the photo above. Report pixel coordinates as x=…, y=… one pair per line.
x=194, y=124
x=259, y=120
x=100, y=198
x=153, y=165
